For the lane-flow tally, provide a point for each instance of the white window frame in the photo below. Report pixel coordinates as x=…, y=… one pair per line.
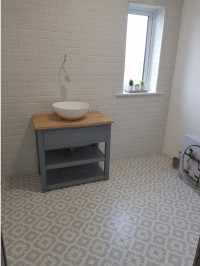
x=150, y=12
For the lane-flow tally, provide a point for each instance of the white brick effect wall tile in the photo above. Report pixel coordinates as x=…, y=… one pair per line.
x=35, y=36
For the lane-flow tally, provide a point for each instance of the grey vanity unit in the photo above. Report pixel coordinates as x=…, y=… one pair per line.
x=68, y=151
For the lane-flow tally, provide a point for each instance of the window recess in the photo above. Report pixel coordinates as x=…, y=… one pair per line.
x=143, y=45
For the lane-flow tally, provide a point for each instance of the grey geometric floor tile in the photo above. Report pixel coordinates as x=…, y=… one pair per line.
x=174, y=259
x=126, y=229
x=118, y=216
x=144, y=234
x=144, y=215
x=108, y=233
x=156, y=253
x=119, y=254
x=134, y=245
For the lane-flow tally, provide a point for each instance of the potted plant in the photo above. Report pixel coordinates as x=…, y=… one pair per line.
x=142, y=86
x=130, y=85
x=137, y=87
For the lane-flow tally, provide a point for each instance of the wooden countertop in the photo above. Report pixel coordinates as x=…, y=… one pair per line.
x=53, y=121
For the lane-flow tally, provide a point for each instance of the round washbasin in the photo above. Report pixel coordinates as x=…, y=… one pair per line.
x=71, y=110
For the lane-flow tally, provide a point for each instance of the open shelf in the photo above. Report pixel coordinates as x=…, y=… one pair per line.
x=75, y=175
x=65, y=157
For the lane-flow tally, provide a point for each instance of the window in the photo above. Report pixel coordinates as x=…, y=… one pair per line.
x=141, y=45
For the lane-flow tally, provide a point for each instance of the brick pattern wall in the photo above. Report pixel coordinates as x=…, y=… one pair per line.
x=35, y=36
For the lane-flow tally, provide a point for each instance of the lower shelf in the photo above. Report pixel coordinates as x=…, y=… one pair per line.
x=75, y=175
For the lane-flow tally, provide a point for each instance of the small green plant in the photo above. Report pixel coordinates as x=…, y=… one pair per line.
x=137, y=84
x=141, y=83
x=131, y=82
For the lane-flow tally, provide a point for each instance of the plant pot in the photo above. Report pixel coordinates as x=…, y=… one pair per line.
x=142, y=88
x=137, y=87
x=130, y=88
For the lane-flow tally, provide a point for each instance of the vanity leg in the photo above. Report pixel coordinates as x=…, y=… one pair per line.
x=41, y=159
x=107, y=153
x=38, y=153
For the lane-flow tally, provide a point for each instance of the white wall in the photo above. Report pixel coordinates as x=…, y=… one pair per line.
x=35, y=36
x=184, y=109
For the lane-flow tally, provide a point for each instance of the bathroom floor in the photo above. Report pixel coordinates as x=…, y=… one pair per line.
x=143, y=216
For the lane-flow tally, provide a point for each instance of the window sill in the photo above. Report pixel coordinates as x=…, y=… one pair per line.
x=137, y=94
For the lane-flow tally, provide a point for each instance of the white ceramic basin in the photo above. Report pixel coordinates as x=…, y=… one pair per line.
x=71, y=110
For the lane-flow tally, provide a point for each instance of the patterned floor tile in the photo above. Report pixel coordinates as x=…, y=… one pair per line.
x=126, y=229
x=119, y=254
x=144, y=215
x=109, y=234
